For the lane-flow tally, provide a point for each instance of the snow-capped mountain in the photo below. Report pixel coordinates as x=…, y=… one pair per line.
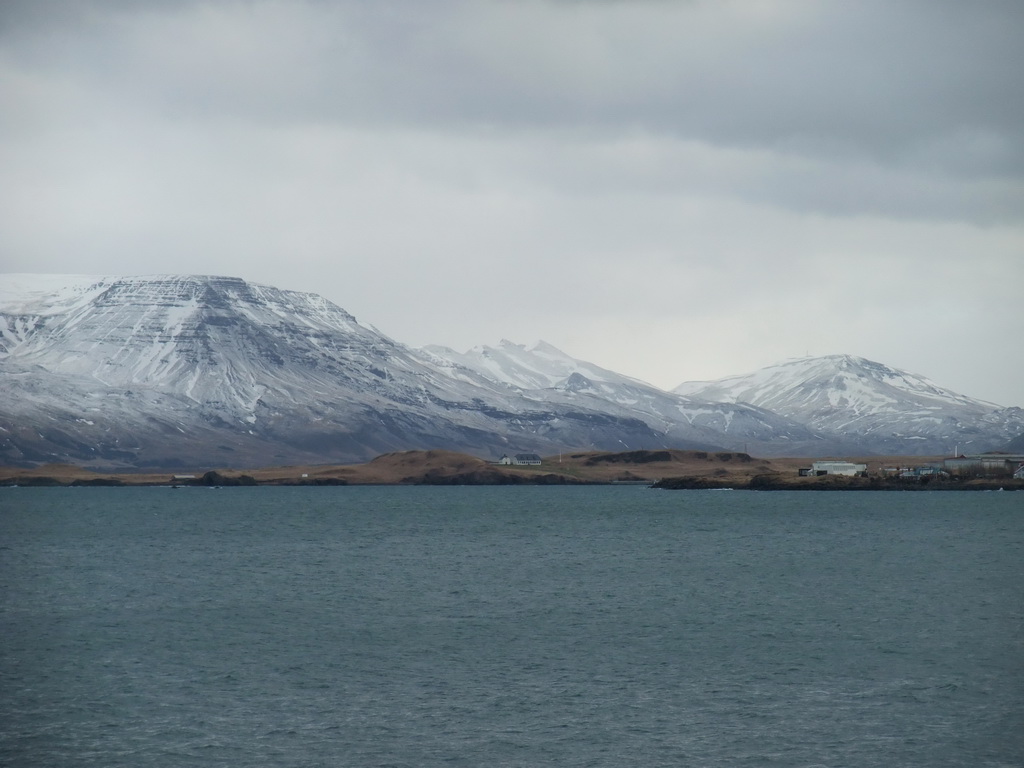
x=172, y=370
x=543, y=372
x=883, y=409
x=196, y=371
x=538, y=366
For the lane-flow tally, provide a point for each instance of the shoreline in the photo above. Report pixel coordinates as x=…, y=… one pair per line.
x=659, y=469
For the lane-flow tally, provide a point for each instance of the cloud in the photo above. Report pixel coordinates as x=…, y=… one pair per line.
x=873, y=77
x=673, y=189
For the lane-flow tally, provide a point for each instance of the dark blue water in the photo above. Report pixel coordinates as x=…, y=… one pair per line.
x=614, y=626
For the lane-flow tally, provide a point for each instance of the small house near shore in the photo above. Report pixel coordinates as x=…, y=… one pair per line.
x=520, y=460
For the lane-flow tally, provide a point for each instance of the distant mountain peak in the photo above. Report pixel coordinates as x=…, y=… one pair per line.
x=855, y=397
x=542, y=347
x=577, y=382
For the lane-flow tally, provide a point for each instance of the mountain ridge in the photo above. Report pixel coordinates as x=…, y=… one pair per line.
x=167, y=369
x=868, y=401
x=164, y=370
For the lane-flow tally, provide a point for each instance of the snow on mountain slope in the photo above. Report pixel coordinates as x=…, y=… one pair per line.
x=841, y=380
x=215, y=363
x=173, y=370
x=215, y=341
x=543, y=372
x=26, y=294
x=881, y=407
x=537, y=366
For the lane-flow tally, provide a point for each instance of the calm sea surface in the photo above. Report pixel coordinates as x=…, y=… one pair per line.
x=468, y=626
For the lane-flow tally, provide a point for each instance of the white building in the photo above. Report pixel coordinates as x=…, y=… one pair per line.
x=847, y=468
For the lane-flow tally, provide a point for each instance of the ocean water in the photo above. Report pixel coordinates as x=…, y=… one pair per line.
x=506, y=626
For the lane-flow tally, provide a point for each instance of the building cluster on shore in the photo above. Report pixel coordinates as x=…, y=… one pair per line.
x=979, y=465
x=986, y=464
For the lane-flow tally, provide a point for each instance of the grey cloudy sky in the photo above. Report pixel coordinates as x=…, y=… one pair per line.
x=675, y=190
